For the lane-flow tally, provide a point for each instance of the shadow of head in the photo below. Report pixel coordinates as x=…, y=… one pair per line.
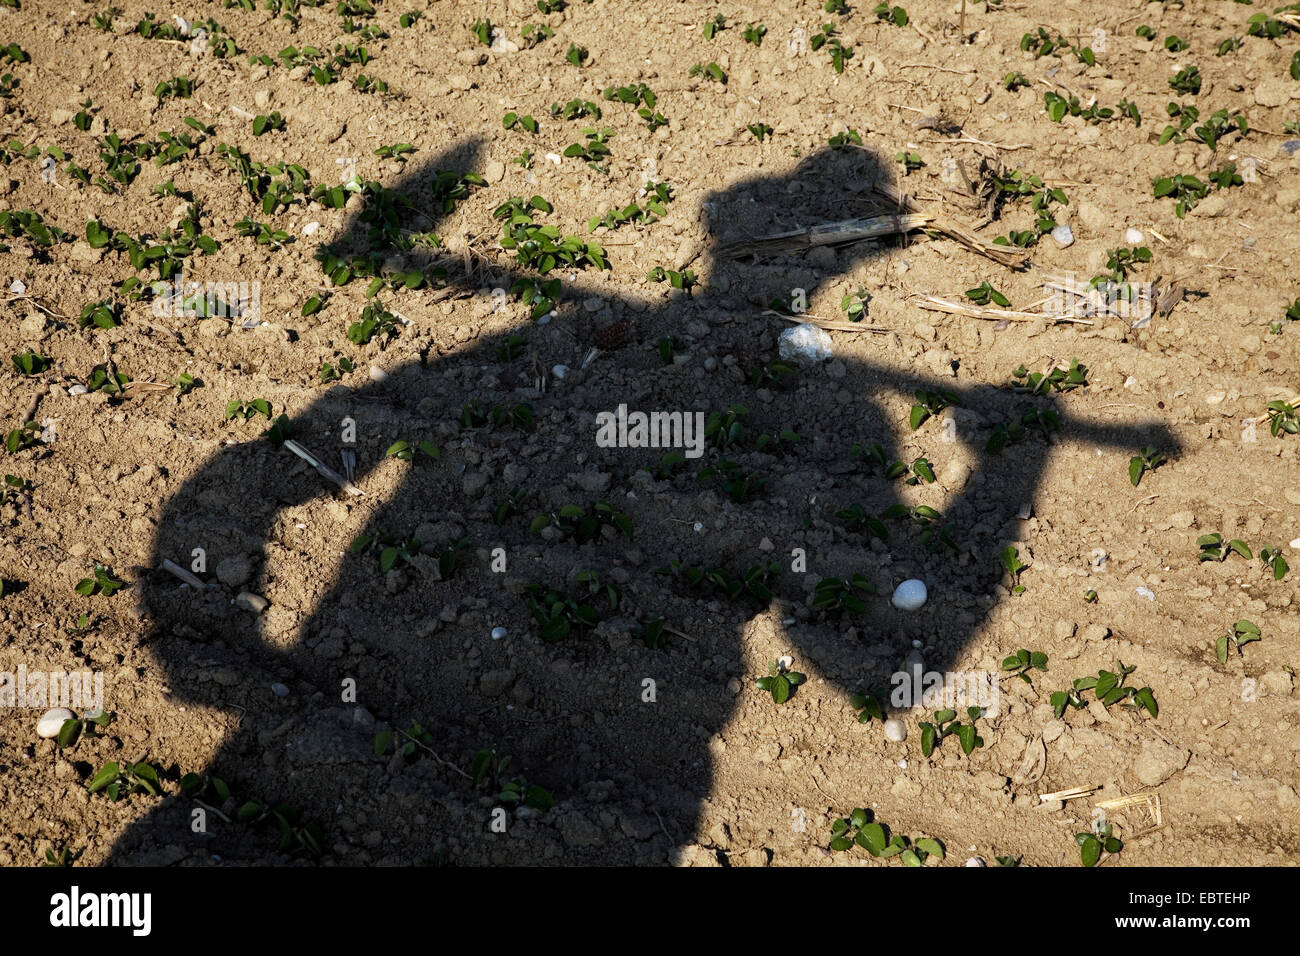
x=414, y=642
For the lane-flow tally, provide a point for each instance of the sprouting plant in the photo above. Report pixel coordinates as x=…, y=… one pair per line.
x=760, y=131
x=895, y=15
x=1147, y=460
x=375, y=320
x=577, y=55
x=87, y=723
x=584, y=524
x=1176, y=44
x=1214, y=548
x=489, y=768
x=739, y=483
x=1109, y=688
x=1187, y=80
x=710, y=70
x=1272, y=558
x=1022, y=661
x=512, y=119
x=246, y=410
x=754, y=33
x=267, y=123
x=840, y=54
x=684, y=280
x=1012, y=564
x=984, y=293
x=27, y=435
x=118, y=781
x=868, y=705
x=405, y=451
x=1242, y=633
x=1282, y=419
x=482, y=31
x=834, y=596
x=780, y=681
x=181, y=87
x=1057, y=379
x=100, y=582
x=333, y=372
x=855, y=304
x=1014, y=81
x=390, y=548
x=946, y=724
x=844, y=140
x=63, y=858
x=1092, y=844
x=30, y=363
x=713, y=27
x=929, y=404
x=558, y=614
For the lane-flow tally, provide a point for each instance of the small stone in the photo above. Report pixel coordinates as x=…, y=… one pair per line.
x=910, y=595
x=279, y=690
x=1158, y=761
x=248, y=601
x=234, y=571
x=499, y=633
x=51, y=722
x=976, y=861
x=1063, y=236
x=895, y=730
x=1133, y=236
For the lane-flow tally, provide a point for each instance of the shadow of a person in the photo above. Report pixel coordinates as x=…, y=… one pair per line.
x=628, y=761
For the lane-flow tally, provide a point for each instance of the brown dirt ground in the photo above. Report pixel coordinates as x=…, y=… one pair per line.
x=712, y=771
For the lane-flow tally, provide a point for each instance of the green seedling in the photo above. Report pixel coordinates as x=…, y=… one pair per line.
x=715, y=26
x=558, y=614
x=577, y=55
x=405, y=451
x=1187, y=80
x=246, y=410
x=1109, y=688
x=582, y=524
x=1014, y=81
x=334, y=372
x=375, y=321
x=1022, y=661
x=594, y=588
x=929, y=404
x=101, y=581
x=869, y=705
x=1282, y=419
x=1242, y=633
x=739, y=483
x=684, y=280
x=1012, y=564
x=709, y=70
x=844, y=140
x=263, y=234
x=575, y=109
x=63, y=858
x=854, y=304
x=1148, y=460
x=1090, y=596
x=909, y=161
x=535, y=33
x=490, y=769
x=945, y=724
x=754, y=33
x=760, y=131
x=267, y=123
x=1176, y=44
x=984, y=293
x=1057, y=379
x=390, y=548
x=1146, y=32
x=74, y=727
x=895, y=15
x=857, y=518
x=780, y=681
x=28, y=435
x=409, y=19
x=30, y=363
x=397, y=151
x=482, y=31
x=1091, y=845
x=651, y=633
x=834, y=596
x=1214, y=548
x=1226, y=176
x=118, y=781
x=527, y=123
x=1272, y=558
x=839, y=53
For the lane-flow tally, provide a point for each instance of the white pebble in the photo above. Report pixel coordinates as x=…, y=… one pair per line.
x=1296, y=544
x=377, y=374
x=909, y=595
x=310, y=228
x=895, y=730
x=51, y=722
x=1133, y=236
x=499, y=633
x=279, y=690
x=1146, y=593
x=560, y=371
x=1063, y=236
x=902, y=765
x=18, y=288
x=976, y=861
